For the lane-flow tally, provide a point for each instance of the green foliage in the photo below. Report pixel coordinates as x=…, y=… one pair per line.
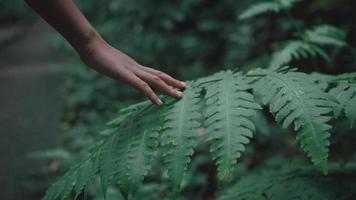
x=309, y=45
x=295, y=50
x=227, y=122
x=179, y=135
x=325, y=34
x=221, y=106
x=217, y=113
x=297, y=182
x=275, y=6
x=345, y=93
x=295, y=98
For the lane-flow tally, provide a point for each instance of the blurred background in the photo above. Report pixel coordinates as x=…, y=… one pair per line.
x=52, y=106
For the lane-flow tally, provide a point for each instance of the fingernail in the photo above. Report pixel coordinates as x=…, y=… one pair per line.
x=159, y=102
x=183, y=84
x=179, y=94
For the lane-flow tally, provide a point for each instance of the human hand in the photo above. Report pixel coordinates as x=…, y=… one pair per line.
x=113, y=63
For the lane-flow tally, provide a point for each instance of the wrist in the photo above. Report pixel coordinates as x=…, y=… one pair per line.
x=90, y=44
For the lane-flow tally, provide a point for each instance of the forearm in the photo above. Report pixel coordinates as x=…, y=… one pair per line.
x=67, y=19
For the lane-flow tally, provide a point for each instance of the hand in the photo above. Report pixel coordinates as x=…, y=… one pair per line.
x=113, y=63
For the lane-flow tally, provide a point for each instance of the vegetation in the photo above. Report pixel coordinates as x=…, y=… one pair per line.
x=126, y=154
x=157, y=147
x=239, y=133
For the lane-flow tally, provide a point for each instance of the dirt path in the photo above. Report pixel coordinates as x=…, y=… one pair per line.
x=31, y=102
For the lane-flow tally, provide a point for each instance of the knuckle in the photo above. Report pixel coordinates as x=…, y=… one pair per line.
x=156, y=79
x=144, y=85
x=159, y=73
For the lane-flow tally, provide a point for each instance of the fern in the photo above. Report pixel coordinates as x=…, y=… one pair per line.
x=126, y=153
x=309, y=45
x=229, y=107
x=267, y=6
x=180, y=132
x=325, y=34
x=345, y=93
x=223, y=106
x=295, y=50
x=294, y=98
x=300, y=182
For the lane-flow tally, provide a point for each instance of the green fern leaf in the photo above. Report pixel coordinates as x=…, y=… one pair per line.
x=180, y=132
x=62, y=188
x=84, y=175
x=294, y=50
x=107, y=159
x=266, y=7
x=325, y=35
x=295, y=98
x=228, y=124
x=143, y=145
x=345, y=93
x=295, y=183
x=77, y=178
x=137, y=147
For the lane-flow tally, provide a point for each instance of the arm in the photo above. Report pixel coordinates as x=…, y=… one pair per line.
x=67, y=19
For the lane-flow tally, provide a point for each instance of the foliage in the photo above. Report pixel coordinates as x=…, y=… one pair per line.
x=275, y=6
x=194, y=38
x=310, y=42
x=126, y=153
x=309, y=45
x=294, y=98
x=296, y=182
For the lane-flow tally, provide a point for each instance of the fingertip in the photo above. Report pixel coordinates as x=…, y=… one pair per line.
x=179, y=94
x=182, y=84
x=158, y=102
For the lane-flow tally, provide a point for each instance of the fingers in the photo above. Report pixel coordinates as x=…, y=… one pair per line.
x=165, y=77
x=158, y=83
x=144, y=87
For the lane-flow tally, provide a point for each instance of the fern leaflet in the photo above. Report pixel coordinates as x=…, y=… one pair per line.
x=267, y=6
x=300, y=182
x=180, y=132
x=325, y=35
x=294, y=50
x=227, y=123
x=345, y=93
x=294, y=98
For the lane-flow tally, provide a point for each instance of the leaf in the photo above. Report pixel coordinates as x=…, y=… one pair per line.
x=266, y=7
x=84, y=175
x=137, y=147
x=298, y=182
x=180, y=132
x=295, y=50
x=345, y=93
x=227, y=120
x=325, y=35
x=294, y=98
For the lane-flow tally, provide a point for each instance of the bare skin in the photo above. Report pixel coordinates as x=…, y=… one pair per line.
x=67, y=19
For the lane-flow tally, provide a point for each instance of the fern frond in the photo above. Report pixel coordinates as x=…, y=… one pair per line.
x=125, y=154
x=295, y=98
x=227, y=120
x=325, y=35
x=137, y=147
x=345, y=93
x=294, y=50
x=180, y=132
x=77, y=178
x=266, y=7
x=294, y=183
